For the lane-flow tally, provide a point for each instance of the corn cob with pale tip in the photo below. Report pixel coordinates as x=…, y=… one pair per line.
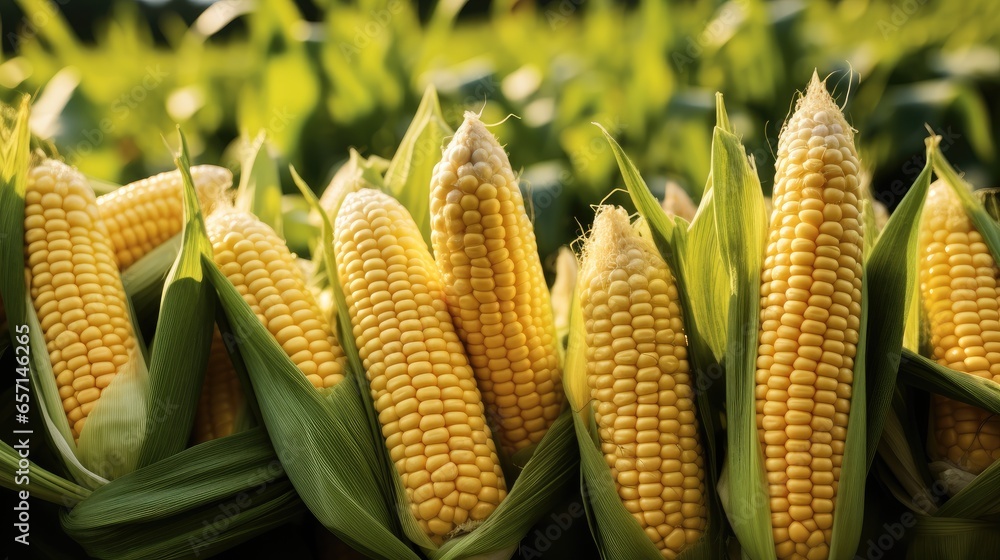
x=485, y=248
x=961, y=299
x=142, y=215
x=425, y=393
x=677, y=202
x=266, y=274
x=810, y=318
x=221, y=395
x=75, y=287
x=563, y=289
x=640, y=382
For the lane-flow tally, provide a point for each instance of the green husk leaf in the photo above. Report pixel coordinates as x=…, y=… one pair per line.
x=707, y=278
x=408, y=177
x=741, y=226
x=41, y=483
x=260, y=187
x=890, y=277
x=202, y=500
x=938, y=537
x=183, y=334
x=928, y=375
x=15, y=154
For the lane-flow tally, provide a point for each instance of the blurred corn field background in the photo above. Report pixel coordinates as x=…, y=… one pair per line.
x=322, y=76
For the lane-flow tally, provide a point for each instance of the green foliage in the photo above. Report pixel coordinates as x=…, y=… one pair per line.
x=352, y=76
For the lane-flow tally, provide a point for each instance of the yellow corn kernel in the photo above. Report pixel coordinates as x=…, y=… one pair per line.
x=266, y=274
x=961, y=299
x=425, y=393
x=485, y=248
x=142, y=215
x=640, y=382
x=810, y=318
x=75, y=287
x=221, y=396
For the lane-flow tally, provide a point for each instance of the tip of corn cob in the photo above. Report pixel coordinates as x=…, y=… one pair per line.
x=821, y=107
x=677, y=202
x=146, y=213
x=484, y=245
x=612, y=227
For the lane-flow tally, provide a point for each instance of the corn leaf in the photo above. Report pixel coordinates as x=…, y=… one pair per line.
x=42, y=483
x=707, y=280
x=928, y=375
x=260, y=187
x=941, y=537
x=183, y=335
x=200, y=501
x=740, y=223
x=409, y=175
x=890, y=277
x=15, y=153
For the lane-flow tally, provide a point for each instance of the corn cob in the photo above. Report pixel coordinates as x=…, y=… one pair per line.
x=639, y=380
x=677, y=202
x=563, y=289
x=810, y=318
x=425, y=393
x=485, y=248
x=221, y=395
x=75, y=287
x=266, y=274
x=144, y=214
x=961, y=299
